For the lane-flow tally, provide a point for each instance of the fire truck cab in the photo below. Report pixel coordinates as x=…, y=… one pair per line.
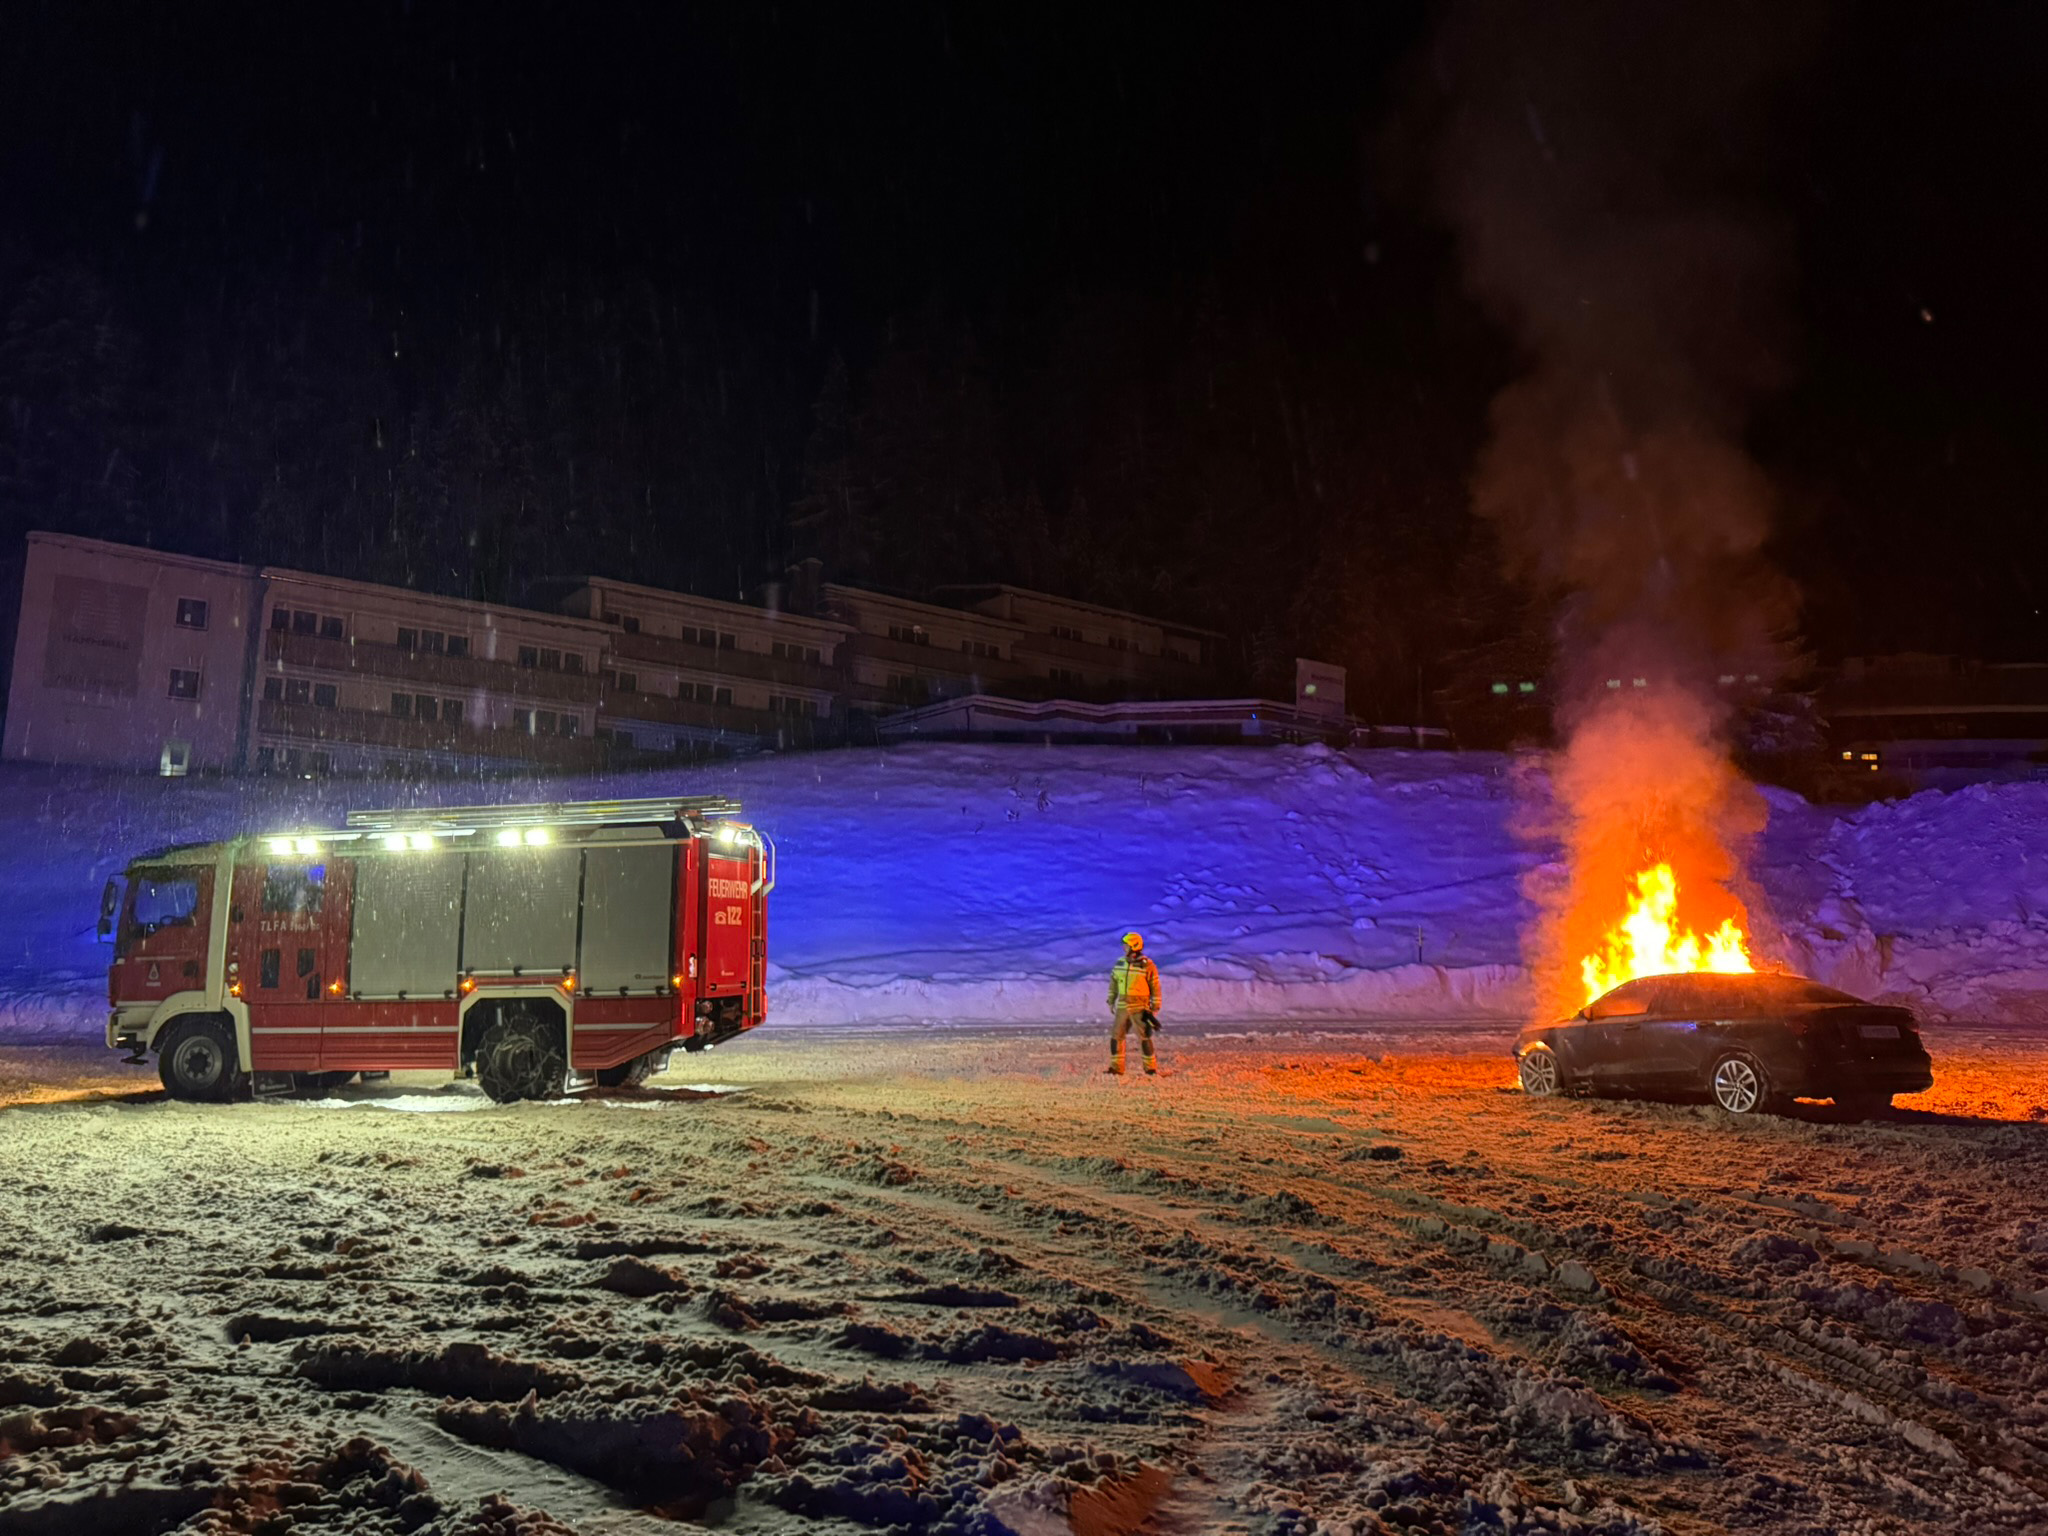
x=532, y=946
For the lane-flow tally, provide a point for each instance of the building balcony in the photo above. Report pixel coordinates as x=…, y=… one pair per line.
x=713, y=719
x=368, y=658
x=776, y=671
x=975, y=670
x=307, y=723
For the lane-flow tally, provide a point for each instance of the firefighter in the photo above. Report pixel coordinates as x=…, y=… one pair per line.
x=1133, y=995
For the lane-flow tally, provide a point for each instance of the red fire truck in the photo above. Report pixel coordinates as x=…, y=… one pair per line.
x=533, y=946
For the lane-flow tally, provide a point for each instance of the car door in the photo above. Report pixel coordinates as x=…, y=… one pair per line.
x=1614, y=1035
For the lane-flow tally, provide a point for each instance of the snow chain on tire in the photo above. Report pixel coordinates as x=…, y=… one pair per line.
x=520, y=1056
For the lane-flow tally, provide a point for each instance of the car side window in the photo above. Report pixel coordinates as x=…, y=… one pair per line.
x=1621, y=1003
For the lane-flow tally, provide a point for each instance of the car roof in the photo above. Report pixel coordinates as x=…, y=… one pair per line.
x=1741, y=993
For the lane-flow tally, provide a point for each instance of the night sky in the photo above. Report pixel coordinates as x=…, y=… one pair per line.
x=1144, y=304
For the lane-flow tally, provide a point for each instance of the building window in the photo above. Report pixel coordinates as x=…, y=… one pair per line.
x=280, y=618
x=304, y=623
x=529, y=656
x=914, y=689
x=522, y=721
x=191, y=613
x=451, y=711
x=572, y=661
x=628, y=682
x=789, y=650
x=426, y=707
x=331, y=627
x=325, y=696
x=273, y=689
x=983, y=649
x=458, y=645
x=544, y=722
x=434, y=642
x=778, y=704
x=572, y=725
x=318, y=765
x=1182, y=652
x=1119, y=642
x=298, y=690
x=401, y=705
x=1067, y=632
x=910, y=634
x=630, y=623
x=184, y=683
x=266, y=759
x=1066, y=676
x=550, y=660
x=408, y=639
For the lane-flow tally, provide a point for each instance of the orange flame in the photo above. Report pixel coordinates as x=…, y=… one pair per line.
x=1648, y=941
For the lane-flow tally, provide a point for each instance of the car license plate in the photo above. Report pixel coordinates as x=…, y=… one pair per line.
x=1878, y=1031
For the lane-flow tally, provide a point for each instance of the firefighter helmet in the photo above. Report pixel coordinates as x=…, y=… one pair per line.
x=1134, y=941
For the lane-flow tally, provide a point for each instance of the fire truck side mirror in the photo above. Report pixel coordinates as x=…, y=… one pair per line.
x=110, y=903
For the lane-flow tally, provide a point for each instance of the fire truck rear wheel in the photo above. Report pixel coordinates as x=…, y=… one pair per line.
x=196, y=1059
x=520, y=1056
x=628, y=1074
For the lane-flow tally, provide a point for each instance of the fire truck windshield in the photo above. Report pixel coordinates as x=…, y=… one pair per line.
x=158, y=899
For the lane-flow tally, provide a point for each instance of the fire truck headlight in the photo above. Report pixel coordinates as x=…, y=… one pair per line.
x=422, y=840
x=536, y=837
x=280, y=845
x=395, y=841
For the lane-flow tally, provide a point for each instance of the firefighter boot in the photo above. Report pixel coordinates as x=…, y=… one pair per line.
x=1116, y=1064
x=1151, y=1065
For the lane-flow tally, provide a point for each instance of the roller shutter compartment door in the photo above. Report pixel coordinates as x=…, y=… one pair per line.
x=521, y=911
x=408, y=919
x=628, y=919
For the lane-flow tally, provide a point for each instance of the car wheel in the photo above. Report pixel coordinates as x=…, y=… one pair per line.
x=1863, y=1106
x=520, y=1056
x=1542, y=1076
x=197, y=1061
x=1737, y=1083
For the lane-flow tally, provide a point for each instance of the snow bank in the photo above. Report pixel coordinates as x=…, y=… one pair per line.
x=992, y=883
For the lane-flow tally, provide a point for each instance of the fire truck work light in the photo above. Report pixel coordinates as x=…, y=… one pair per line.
x=423, y=840
x=509, y=838
x=284, y=844
x=309, y=845
x=728, y=833
x=536, y=836
x=395, y=841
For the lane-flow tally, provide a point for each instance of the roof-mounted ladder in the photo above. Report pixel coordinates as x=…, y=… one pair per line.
x=568, y=813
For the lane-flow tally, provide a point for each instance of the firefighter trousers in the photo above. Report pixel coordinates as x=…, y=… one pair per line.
x=1125, y=1018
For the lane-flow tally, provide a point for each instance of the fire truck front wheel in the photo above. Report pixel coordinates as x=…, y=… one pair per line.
x=520, y=1055
x=196, y=1059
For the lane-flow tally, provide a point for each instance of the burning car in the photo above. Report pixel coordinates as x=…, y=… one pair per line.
x=1745, y=1040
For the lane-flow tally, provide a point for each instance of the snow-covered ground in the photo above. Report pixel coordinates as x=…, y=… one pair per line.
x=991, y=883
x=1311, y=1281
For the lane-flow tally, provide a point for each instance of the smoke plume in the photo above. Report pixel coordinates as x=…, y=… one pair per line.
x=1598, y=162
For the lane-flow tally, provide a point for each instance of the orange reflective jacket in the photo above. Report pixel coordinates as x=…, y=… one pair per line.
x=1134, y=983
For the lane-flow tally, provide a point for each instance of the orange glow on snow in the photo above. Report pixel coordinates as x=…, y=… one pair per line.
x=1648, y=940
